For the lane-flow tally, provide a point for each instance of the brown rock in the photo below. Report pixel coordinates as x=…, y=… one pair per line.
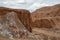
x=14, y=23
x=25, y=18
x=46, y=17
x=43, y=23
x=23, y=15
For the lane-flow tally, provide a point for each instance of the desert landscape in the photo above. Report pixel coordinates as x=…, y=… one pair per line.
x=20, y=24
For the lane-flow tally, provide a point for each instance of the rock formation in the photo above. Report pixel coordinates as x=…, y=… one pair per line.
x=25, y=18
x=23, y=15
x=14, y=23
x=46, y=17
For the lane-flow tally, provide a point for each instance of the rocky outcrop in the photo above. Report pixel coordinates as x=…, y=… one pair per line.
x=25, y=18
x=23, y=15
x=46, y=17
x=14, y=23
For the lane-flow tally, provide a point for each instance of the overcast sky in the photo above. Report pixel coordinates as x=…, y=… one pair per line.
x=28, y=4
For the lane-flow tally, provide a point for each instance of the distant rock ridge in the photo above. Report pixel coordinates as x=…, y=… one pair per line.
x=46, y=17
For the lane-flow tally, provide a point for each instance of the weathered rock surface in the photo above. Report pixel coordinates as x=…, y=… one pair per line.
x=14, y=23
x=25, y=18
x=46, y=22
x=47, y=17
x=11, y=26
x=23, y=15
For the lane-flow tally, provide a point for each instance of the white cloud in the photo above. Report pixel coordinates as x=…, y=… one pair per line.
x=20, y=1
x=28, y=4
x=36, y=5
x=30, y=1
x=15, y=1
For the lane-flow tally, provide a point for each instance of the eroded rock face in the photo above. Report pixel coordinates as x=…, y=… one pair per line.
x=11, y=26
x=23, y=15
x=47, y=16
x=43, y=23
x=25, y=18
x=14, y=23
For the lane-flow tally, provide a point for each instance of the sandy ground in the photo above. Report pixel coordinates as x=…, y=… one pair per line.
x=39, y=34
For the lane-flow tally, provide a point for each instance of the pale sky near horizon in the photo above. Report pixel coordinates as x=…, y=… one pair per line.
x=28, y=4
